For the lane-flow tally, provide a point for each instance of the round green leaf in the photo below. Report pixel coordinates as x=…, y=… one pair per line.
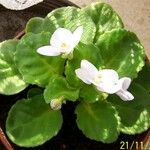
x=104, y=17
x=98, y=121
x=11, y=81
x=36, y=68
x=135, y=115
x=58, y=87
x=88, y=52
x=32, y=122
x=38, y=25
x=144, y=77
x=49, y=25
x=122, y=51
x=35, y=25
x=71, y=18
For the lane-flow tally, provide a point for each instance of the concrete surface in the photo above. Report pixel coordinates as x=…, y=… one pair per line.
x=135, y=15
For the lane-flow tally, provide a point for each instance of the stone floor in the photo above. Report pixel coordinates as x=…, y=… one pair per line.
x=135, y=15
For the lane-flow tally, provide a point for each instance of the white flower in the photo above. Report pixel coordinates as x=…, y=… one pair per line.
x=105, y=80
x=63, y=41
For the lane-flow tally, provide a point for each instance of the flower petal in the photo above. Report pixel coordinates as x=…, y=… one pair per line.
x=48, y=51
x=125, y=95
x=77, y=35
x=108, y=81
x=125, y=82
x=108, y=75
x=83, y=75
x=89, y=67
x=61, y=35
x=108, y=87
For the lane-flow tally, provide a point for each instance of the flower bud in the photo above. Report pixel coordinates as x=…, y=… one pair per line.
x=56, y=103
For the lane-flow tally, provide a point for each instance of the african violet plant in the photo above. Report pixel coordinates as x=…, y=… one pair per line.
x=82, y=55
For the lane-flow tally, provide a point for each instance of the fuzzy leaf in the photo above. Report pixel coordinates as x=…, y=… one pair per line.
x=31, y=122
x=49, y=25
x=35, y=25
x=38, y=25
x=11, y=81
x=89, y=94
x=135, y=115
x=104, y=17
x=36, y=68
x=122, y=51
x=144, y=77
x=58, y=87
x=98, y=121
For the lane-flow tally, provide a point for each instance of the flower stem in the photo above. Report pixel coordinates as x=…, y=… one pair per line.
x=4, y=140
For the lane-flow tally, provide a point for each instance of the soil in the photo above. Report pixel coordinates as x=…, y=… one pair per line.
x=12, y=22
x=69, y=137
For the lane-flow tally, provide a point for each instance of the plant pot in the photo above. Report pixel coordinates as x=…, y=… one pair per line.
x=69, y=137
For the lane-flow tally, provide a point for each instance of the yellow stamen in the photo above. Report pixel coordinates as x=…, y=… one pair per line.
x=97, y=78
x=64, y=45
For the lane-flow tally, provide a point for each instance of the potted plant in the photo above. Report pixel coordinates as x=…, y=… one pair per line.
x=83, y=60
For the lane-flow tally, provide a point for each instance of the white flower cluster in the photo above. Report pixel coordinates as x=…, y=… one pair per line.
x=63, y=42
x=105, y=80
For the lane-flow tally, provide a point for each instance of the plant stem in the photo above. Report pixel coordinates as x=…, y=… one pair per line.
x=19, y=35
x=4, y=140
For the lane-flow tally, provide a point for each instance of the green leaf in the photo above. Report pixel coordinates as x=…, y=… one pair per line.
x=144, y=77
x=135, y=115
x=49, y=25
x=104, y=17
x=122, y=51
x=89, y=94
x=31, y=122
x=88, y=52
x=38, y=25
x=71, y=18
x=35, y=25
x=58, y=87
x=11, y=81
x=35, y=68
x=62, y=15
x=98, y=121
